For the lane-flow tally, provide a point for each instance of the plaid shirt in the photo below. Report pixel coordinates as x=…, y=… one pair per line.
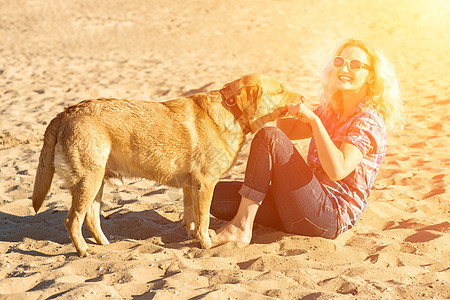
x=365, y=129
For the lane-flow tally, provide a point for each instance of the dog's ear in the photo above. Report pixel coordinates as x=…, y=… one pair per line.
x=249, y=99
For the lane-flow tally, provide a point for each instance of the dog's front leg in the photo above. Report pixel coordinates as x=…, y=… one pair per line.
x=188, y=218
x=202, y=202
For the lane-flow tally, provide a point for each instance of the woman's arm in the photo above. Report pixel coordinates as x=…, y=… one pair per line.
x=294, y=128
x=337, y=162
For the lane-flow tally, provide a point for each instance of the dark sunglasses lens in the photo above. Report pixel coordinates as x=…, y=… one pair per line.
x=355, y=64
x=338, y=61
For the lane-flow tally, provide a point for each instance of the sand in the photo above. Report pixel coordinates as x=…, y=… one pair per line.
x=57, y=53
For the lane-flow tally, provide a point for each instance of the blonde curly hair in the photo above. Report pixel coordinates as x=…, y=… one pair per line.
x=384, y=92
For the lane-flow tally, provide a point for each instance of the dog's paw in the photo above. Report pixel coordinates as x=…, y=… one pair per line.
x=206, y=243
x=88, y=251
x=82, y=253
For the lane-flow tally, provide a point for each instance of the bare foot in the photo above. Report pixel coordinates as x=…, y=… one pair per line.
x=233, y=233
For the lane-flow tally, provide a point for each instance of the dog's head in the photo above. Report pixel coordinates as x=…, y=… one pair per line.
x=260, y=98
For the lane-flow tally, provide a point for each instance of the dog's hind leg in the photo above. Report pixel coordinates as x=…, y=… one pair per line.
x=93, y=218
x=83, y=193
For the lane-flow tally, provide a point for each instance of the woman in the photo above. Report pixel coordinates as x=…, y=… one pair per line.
x=327, y=195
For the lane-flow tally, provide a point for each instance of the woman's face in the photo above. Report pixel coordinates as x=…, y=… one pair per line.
x=352, y=80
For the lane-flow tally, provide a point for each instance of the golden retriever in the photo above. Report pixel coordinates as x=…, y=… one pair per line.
x=186, y=143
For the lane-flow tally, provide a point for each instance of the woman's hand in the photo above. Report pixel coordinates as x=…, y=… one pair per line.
x=302, y=112
x=337, y=162
x=297, y=127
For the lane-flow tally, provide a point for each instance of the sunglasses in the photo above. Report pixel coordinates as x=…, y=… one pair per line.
x=354, y=64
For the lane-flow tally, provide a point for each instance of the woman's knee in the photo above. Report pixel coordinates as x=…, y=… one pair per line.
x=269, y=134
x=273, y=139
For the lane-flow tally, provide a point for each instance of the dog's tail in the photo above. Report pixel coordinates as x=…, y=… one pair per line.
x=46, y=168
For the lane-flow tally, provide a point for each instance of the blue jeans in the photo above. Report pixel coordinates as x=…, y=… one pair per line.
x=277, y=177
